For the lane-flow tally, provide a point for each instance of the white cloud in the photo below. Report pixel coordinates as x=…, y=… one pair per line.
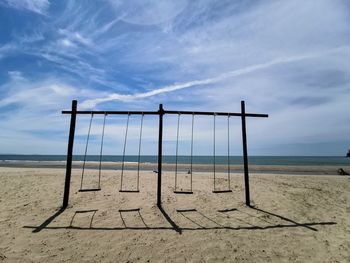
x=75, y=37
x=230, y=74
x=6, y=49
x=67, y=43
x=148, y=12
x=37, y=6
x=31, y=110
x=15, y=75
x=45, y=94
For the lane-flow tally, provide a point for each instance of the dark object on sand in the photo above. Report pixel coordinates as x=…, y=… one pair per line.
x=342, y=172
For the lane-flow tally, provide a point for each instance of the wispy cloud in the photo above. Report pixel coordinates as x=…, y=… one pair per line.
x=230, y=74
x=37, y=6
x=6, y=49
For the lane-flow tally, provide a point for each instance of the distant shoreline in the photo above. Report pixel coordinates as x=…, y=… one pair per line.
x=200, y=160
x=278, y=169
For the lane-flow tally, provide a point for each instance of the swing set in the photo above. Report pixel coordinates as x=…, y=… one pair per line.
x=161, y=112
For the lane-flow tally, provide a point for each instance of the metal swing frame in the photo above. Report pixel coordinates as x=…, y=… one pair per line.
x=161, y=112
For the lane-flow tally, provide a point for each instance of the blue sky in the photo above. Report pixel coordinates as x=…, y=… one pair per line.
x=289, y=59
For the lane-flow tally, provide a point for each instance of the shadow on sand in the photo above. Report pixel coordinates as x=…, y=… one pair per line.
x=49, y=220
x=191, y=215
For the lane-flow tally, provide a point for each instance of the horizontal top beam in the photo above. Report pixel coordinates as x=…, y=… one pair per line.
x=208, y=113
x=205, y=113
x=113, y=112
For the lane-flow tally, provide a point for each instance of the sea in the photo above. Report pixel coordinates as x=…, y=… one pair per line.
x=254, y=160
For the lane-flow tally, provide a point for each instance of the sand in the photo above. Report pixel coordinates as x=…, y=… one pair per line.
x=298, y=218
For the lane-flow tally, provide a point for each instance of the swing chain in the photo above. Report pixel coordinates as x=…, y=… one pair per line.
x=86, y=148
x=228, y=152
x=177, y=147
x=101, y=150
x=139, y=155
x=123, y=159
x=191, y=170
x=214, y=158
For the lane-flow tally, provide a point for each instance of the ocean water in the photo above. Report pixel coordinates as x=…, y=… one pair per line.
x=257, y=160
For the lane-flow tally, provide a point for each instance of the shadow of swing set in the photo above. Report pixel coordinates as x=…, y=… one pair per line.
x=191, y=215
x=160, y=113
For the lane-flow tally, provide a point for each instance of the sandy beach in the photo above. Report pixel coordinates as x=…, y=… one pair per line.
x=297, y=218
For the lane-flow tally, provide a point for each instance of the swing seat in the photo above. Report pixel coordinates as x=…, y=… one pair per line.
x=129, y=191
x=90, y=190
x=183, y=192
x=222, y=191
x=129, y=210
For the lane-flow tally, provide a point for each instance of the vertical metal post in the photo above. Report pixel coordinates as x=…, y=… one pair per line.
x=69, y=154
x=214, y=153
x=245, y=155
x=160, y=153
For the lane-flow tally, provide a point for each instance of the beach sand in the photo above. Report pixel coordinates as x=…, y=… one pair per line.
x=298, y=218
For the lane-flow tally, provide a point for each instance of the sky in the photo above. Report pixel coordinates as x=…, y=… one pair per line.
x=286, y=58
